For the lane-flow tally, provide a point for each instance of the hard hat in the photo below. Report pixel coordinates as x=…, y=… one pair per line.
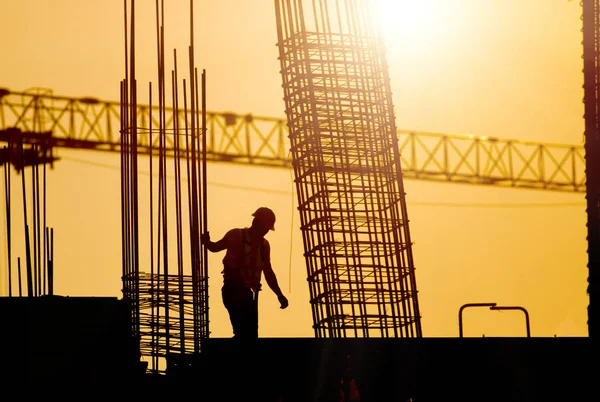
x=266, y=217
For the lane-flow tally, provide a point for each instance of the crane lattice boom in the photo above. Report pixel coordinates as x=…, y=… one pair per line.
x=89, y=123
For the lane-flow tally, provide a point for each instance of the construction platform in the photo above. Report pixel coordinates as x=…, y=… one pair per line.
x=426, y=369
x=57, y=344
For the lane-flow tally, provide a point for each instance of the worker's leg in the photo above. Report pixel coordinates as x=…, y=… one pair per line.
x=248, y=324
x=249, y=321
x=230, y=302
x=243, y=313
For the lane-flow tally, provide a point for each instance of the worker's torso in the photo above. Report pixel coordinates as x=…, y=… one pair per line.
x=245, y=259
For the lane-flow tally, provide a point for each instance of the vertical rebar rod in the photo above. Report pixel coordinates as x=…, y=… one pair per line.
x=198, y=201
x=153, y=293
x=30, y=288
x=7, y=174
x=48, y=259
x=156, y=305
x=165, y=242
x=38, y=222
x=45, y=258
x=193, y=245
x=134, y=176
x=51, y=264
x=199, y=204
x=19, y=275
x=34, y=219
x=192, y=188
x=124, y=199
x=178, y=206
x=204, y=205
x=124, y=101
x=27, y=245
x=44, y=212
x=126, y=183
x=159, y=237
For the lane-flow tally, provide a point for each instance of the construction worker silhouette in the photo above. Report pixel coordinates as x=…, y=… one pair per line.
x=248, y=256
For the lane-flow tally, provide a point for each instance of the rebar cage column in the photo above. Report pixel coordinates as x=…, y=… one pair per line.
x=347, y=170
x=169, y=304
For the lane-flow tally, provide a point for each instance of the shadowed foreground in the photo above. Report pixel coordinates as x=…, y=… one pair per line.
x=53, y=345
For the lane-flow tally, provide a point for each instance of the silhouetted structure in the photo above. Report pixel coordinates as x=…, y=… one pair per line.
x=39, y=238
x=347, y=171
x=56, y=343
x=89, y=123
x=591, y=70
x=403, y=370
x=169, y=304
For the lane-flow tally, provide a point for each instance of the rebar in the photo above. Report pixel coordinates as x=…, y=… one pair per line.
x=19, y=156
x=347, y=170
x=169, y=304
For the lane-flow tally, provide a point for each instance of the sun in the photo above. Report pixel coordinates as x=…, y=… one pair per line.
x=410, y=20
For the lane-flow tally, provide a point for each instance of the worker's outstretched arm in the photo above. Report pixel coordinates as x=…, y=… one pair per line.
x=213, y=246
x=272, y=281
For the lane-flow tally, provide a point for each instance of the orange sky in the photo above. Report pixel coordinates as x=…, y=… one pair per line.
x=504, y=68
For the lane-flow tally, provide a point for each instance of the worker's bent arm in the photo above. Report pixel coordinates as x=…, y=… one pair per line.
x=271, y=279
x=215, y=247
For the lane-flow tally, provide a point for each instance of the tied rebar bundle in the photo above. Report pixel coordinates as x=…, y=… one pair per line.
x=167, y=290
x=347, y=170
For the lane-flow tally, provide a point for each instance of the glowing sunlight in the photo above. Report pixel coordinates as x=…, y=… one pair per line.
x=415, y=21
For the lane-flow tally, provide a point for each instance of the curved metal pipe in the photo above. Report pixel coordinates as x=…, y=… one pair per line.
x=516, y=308
x=464, y=306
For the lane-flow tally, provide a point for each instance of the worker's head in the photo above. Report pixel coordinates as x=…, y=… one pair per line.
x=266, y=217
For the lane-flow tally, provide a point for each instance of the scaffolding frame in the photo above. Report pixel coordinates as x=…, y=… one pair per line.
x=347, y=170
